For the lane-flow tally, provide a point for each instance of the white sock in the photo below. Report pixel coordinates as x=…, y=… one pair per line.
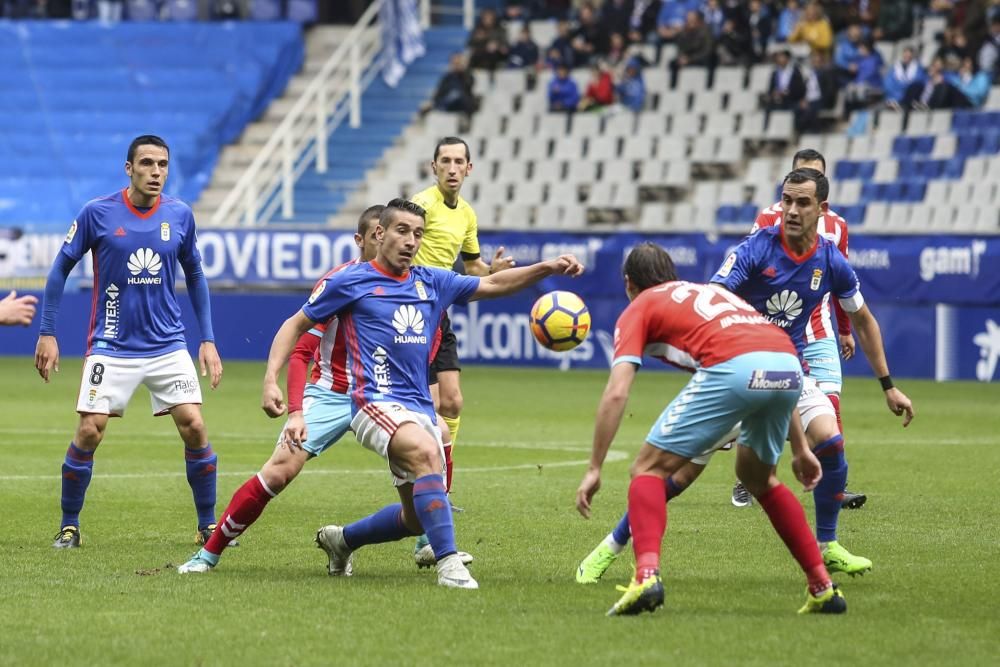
x=614, y=546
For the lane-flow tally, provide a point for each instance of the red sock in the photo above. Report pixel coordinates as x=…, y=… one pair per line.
x=448, y=466
x=835, y=399
x=789, y=521
x=647, y=516
x=247, y=504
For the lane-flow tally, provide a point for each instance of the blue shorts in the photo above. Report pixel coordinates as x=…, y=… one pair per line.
x=759, y=388
x=328, y=417
x=823, y=357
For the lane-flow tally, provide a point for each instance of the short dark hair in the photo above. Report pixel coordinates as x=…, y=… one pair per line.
x=386, y=216
x=648, y=265
x=808, y=155
x=145, y=140
x=368, y=216
x=799, y=176
x=452, y=141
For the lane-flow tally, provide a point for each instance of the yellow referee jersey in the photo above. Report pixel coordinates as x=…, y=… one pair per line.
x=448, y=231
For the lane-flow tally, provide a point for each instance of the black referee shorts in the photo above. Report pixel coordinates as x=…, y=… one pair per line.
x=446, y=358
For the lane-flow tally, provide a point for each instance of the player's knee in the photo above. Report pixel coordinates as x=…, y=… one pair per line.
x=193, y=431
x=412, y=522
x=426, y=459
x=278, y=474
x=89, y=434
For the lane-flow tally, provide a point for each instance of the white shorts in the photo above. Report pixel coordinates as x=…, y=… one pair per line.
x=376, y=423
x=813, y=403
x=109, y=382
x=706, y=456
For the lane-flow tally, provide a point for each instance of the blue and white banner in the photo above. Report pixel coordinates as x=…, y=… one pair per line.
x=402, y=37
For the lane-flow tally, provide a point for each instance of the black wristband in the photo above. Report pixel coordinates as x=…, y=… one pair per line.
x=886, y=382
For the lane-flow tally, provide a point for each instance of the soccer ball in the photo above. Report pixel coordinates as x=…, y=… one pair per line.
x=560, y=320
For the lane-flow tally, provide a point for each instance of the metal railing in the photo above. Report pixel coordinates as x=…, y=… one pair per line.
x=300, y=140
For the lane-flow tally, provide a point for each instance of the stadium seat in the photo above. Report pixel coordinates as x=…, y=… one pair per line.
x=638, y=148
x=181, y=10
x=729, y=79
x=265, y=10
x=691, y=79
x=654, y=217
x=876, y=217
x=567, y=148
x=586, y=125
x=620, y=124
x=603, y=147
x=551, y=125
x=780, y=125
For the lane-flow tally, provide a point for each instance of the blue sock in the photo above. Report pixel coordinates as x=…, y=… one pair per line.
x=622, y=533
x=77, y=469
x=830, y=491
x=386, y=525
x=434, y=512
x=201, y=470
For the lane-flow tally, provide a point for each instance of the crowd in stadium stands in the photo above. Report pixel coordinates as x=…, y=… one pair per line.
x=117, y=10
x=841, y=36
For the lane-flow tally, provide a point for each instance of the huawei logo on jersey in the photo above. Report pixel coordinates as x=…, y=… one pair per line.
x=786, y=305
x=407, y=318
x=144, y=260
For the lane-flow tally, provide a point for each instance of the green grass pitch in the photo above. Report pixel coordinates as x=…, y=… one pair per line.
x=931, y=526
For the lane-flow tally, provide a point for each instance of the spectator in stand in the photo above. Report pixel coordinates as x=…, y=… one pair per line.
x=894, y=20
x=617, y=50
x=455, y=92
x=600, y=90
x=904, y=73
x=953, y=45
x=632, y=89
x=714, y=17
x=866, y=87
x=847, y=53
x=734, y=46
x=563, y=92
x=989, y=52
x=695, y=46
x=616, y=15
x=813, y=29
x=524, y=52
x=590, y=39
x=225, y=10
x=973, y=84
x=787, y=88
x=825, y=77
x=807, y=115
x=561, y=48
x=670, y=21
x=935, y=93
x=643, y=20
x=760, y=26
x=788, y=18
x=110, y=11
x=488, y=43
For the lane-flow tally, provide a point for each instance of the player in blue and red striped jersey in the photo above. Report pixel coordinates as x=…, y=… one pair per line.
x=137, y=237
x=321, y=409
x=824, y=345
x=786, y=272
x=389, y=311
x=745, y=371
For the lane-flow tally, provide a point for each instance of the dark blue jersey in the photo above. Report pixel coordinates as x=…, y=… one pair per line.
x=786, y=288
x=389, y=324
x=135, y=312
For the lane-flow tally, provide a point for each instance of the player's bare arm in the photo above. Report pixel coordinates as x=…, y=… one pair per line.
x=15, y=310
x=512, y=280
x=211, y=362
x=272, y=400
x=477, y=267
x=870, y=340
x=47, y=356
x=606, y=423
x=805, y=465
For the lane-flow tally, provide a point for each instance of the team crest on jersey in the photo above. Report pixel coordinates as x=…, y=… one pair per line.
x=816, y=279
x=71, y=233
x=727, y=266
x=164, y=231
x=421, y=292
x=316, y=292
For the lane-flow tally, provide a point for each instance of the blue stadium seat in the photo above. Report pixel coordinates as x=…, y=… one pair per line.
x=901, y=147
x=726, y=214
x=747, y=213
x=954, y=168
x=989, y=143
x=302, y=11
x=872, y=192
x=922, y=145
x=265, y=10
x=968, y=145
x=963, y=121
x=894, y=192
x=913, y=191
x=845, y=169
x=866, y=169
x=852, y=214
x=930, y=169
